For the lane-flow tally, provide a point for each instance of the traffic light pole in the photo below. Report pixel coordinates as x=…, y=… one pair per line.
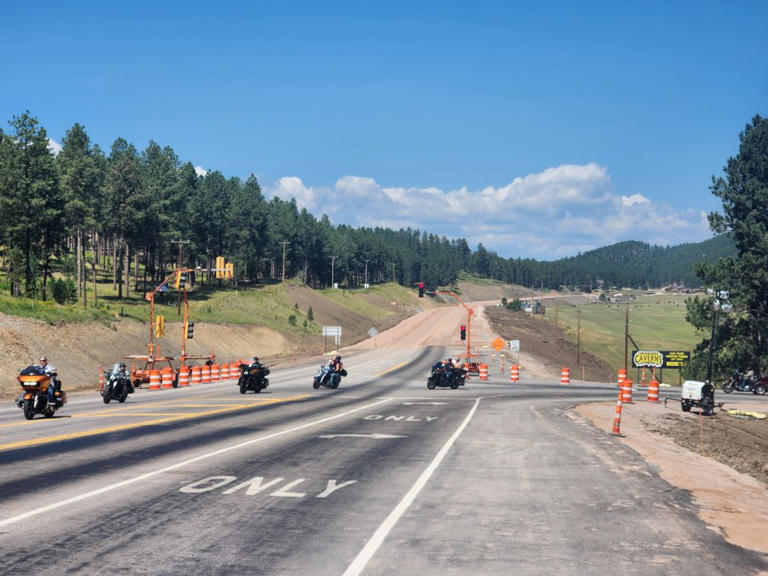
x=470, y=312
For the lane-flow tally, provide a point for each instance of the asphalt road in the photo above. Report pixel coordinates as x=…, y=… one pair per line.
x=380, y=476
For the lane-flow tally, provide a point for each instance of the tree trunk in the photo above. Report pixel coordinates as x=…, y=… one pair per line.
x=127, y=269
x=114, y=266
x=79, y=264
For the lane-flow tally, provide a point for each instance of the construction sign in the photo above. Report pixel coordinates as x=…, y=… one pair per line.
x=499, y=344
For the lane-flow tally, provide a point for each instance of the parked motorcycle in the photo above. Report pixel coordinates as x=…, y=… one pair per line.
x=117, y=384
x=327, y=377
x=745, y=383
x=253, y=377
x=33, y=399
x=445, y=376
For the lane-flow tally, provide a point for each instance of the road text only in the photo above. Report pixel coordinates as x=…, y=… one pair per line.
x=399, y=418
x=276, y=487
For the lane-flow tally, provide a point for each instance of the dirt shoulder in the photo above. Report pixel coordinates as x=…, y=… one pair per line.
x=722, y=460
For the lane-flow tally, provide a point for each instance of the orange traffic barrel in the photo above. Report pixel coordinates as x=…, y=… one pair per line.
x=653, y=390
x=197, y=377
x=167, y=377
x=183, y=376
x=617, y=419
x=483, y=371
x=626, y=392
x=621, y=377
x=565, y=375
x=154, y=379
x=206, y=374
x=234, y=370
x=514, y=373
x=215, y=373
x=101, y=379
x=225, y=371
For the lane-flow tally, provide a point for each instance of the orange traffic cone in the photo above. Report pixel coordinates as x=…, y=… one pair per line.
x=617, y=420
x=101, y=379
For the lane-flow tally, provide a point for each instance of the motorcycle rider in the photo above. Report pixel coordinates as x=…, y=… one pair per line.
x=336, y=365
x=47, y=369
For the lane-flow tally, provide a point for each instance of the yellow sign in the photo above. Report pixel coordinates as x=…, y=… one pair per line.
x=647, y=358
x=499, y=344
x=159, y=327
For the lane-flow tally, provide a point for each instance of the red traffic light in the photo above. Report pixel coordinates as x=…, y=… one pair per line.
x=463, y=332
x=421, y=289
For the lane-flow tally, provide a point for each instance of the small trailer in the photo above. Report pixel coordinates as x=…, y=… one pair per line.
x=699, y=394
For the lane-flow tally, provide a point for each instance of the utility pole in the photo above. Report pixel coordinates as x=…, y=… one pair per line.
x=284, y=243
x=333, y=263
x=626, y=335
x=555, y=322
x=179, y=263
x=365, y=284
x=578, y=336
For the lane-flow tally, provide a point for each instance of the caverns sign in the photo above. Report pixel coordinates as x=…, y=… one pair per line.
x=661, y=359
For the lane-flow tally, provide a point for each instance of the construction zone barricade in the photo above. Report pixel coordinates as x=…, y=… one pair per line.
x=101, y=379
x=206, y=374
x=154, y=379
x=215, y=373
x=483, y=371
x=183, y=377
x=197, y=376
x=225, y=371
x=653, y=390
x=166, y=377
x=234, y=370
x=621, y=377
x=514, y=373
x=626, y=391
x=565, y=376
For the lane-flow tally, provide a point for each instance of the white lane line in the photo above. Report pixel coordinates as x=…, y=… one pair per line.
x=364, y=556
x=147, y=475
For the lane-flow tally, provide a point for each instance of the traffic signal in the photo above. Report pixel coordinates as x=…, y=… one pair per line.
x=230, y=270
x=463, y=332
x=220, y=268
x=189, y=328
x=421, y=289
x=159, y=327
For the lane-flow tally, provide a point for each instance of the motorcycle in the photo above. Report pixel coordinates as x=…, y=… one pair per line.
x=117, y=385
x=253, y=378
x=745, y=383
x=445, y=377
x=33, y=399
x=328, y=377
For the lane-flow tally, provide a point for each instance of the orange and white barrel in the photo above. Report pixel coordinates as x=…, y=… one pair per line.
x=621, y=377
x=166, y=375
x=183, y=376
x=653, y=390
x=626, y=392
x=154, y=379
x=197, y=376
x=206, y=374
x=617, y=419
x=101, y=379
x=514, y=373
x=565, y=376
x=483, y=371
x=225, y=371
x=234, y=370
x=215, y=373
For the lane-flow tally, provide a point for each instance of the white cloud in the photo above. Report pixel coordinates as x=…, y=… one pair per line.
x=200, y=171
x=54, y=146
x=558, y=212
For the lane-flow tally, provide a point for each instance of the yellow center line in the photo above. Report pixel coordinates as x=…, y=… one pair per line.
x=388, y=370
x=164, y=420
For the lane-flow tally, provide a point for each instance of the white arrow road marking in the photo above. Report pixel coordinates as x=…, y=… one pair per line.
x=374, y=436
x=424, y=403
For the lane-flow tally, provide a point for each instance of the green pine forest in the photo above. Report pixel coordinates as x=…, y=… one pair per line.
x=118, y=216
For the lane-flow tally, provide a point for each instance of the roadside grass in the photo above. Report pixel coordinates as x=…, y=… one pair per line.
x=51, y=312
x=357, y=299
x=655, y=323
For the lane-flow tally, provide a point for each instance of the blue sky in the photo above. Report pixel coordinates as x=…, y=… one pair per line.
x=539, y=129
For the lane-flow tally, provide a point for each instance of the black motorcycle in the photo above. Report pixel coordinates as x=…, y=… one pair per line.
x=253, y=377
x=745, y=383
x=117, y=384
x=328, y=377
x=446, y=377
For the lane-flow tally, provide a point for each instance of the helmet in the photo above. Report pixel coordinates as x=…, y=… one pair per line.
x=338, y=358
x=122, y=365
x=255, y=359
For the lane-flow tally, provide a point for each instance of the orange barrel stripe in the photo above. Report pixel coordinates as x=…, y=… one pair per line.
x=215, y=373
x=483, y=371
x=206, y=374
x=225, y=371
x=514, y=373
x=167, y=377
x=653, y=390
x=154, y=380
x=183, y=376
x=621, y=377
x=197, y=377
x=565, y=376
x=626, y=396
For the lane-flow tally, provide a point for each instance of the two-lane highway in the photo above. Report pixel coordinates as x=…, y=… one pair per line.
x=380, y=476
